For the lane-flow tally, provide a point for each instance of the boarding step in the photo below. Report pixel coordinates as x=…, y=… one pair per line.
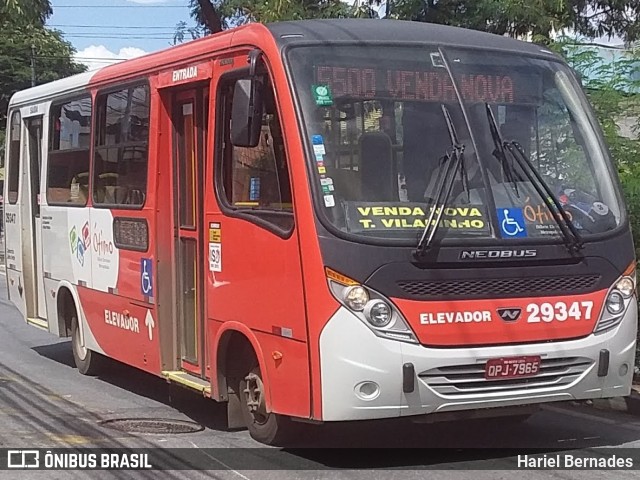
x=38, y=322
x=190, y=381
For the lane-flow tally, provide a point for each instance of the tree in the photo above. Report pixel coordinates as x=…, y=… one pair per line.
x=23, y=36
x=614, y=92
x=26, y=12
x=518, y=18
x=207, y=15
x=512, y=17
x=238, y=12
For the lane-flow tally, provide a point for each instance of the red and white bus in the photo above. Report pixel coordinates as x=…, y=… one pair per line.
x=328, y=221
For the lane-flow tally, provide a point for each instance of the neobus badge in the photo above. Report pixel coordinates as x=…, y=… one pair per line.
x=494, y=254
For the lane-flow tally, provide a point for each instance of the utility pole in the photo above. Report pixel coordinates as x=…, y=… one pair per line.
x=33, y=65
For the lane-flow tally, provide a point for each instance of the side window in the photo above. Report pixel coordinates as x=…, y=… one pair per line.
x=365, y=149
x=68, y=165
x=558, y=145
x=14, y=157
x=120, y=158
x=256, y=180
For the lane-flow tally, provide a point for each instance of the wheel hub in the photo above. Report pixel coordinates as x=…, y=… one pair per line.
x=254, y=397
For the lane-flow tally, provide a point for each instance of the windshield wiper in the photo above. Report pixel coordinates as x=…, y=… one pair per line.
x=572, y=238
x=454, y=162
x=499, y=152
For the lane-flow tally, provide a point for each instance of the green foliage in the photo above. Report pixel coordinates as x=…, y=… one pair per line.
x=239, y=12
x=538, y=18
x=25, y=12
x=613, y=92
x=24, y=34
x=184, y=32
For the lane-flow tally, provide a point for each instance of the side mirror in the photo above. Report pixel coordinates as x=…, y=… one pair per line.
x=246, y=112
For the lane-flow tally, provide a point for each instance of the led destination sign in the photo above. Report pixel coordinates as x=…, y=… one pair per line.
x=428, y=85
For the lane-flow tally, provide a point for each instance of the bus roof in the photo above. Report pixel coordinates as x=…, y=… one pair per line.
x=285, y=33
x=394, y=31
x=49, y=90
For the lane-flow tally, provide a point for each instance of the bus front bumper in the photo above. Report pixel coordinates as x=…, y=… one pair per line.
x=362, y=374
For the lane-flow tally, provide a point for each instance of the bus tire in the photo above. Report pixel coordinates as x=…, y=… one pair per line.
x=87, y=361
x=265, y=427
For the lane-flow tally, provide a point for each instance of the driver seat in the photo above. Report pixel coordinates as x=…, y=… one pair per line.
x=378, y=176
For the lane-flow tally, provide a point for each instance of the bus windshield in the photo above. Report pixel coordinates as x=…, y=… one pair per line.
x=379, y=139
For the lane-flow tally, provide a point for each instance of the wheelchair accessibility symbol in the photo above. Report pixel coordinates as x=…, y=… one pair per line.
x=512, y=223
x=146, y=277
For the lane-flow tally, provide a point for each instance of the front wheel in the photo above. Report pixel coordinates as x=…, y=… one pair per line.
x=265, y=427
x=87, y=361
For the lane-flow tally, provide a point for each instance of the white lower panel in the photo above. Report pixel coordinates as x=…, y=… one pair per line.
x=351, y=354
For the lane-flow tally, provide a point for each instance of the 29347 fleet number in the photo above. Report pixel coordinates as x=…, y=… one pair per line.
x=560, y=311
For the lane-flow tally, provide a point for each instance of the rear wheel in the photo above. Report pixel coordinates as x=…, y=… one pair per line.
x=264, y=426
x=87, y=361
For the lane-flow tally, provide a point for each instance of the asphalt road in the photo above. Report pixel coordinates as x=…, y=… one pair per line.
x=45, y=402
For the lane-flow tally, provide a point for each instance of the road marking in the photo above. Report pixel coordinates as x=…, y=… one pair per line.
x=70, y=439
x=222, y=463
x=65, y=440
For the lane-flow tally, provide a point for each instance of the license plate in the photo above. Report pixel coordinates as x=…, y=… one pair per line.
x=511, y=367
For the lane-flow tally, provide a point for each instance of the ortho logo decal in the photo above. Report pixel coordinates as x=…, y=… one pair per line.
x=102, y=245
x=80, y=243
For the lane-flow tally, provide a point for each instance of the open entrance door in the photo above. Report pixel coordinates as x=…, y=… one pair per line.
x=32, y=250
x=189, y=142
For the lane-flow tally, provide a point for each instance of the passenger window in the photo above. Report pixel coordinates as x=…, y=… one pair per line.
x=68, y=165
x=364, y=141
x=14, y=158
x=121, y=153
x=256, y=180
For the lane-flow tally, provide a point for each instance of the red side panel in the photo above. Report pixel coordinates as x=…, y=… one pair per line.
x=317, y=300
x=125, y=330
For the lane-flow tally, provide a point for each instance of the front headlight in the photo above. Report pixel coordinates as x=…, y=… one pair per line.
x=378, y=313
x=618, y=299
x=626, y=286
x=615, y=302
x=375, y=310
x=356, y=298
